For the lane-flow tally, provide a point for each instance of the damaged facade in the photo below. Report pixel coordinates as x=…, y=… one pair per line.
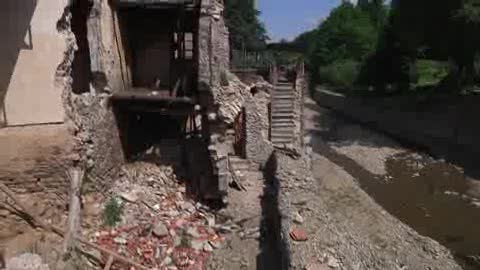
x=94, y=83
x=139, y=96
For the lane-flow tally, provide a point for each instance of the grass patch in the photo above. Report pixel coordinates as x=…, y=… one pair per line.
x=340, y=75
x=113, y=211
x=430, y=73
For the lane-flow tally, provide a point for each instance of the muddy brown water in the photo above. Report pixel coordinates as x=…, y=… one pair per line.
x=433, y=197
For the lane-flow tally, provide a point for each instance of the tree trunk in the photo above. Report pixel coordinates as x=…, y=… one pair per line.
x=75, y=175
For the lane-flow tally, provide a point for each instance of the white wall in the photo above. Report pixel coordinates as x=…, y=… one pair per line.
x=30, y=51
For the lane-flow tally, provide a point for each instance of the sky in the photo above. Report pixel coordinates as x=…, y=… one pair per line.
x=289, y=18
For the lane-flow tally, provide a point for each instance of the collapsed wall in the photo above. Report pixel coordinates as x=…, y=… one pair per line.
x=222, y=94
x=89, y=136
x=301, y=88
x=257, y=110
x=90, y=117
x=34, y=159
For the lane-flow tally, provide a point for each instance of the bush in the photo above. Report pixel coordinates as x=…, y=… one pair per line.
x=340, y=74
x=112, y=213
x=430, y=73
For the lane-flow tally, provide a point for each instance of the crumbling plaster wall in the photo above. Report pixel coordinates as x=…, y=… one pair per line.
x=222, y=94
x=34, y=158
x=89, y=136
x=90, y=117
x=30, y=51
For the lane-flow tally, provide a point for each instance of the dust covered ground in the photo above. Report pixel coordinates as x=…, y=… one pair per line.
x=345, y=224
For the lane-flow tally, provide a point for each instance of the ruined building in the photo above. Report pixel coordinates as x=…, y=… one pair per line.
x=96, y=83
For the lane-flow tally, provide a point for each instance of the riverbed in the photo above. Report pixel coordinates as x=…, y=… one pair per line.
x=430, y=195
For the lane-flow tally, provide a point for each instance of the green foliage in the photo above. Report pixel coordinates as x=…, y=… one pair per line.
x=376, y=10
x=348, y=33
x=448, y=31
x=247, y=32
x=112, y=213
x=346, y=38
x=431, y=72
x=341, y=74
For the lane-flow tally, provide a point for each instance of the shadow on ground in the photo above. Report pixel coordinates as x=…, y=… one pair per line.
x=274, y=253
x=424, y=193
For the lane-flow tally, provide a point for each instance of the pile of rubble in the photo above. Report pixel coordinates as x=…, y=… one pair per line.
x=161, y=227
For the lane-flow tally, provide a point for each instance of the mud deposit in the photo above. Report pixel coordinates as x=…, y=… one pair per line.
x=433, y=197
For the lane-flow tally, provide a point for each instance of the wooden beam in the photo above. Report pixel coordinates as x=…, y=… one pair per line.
x=75, y=176
x=59, y=231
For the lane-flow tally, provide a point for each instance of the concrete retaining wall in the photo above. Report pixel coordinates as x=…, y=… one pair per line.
x=446, y=126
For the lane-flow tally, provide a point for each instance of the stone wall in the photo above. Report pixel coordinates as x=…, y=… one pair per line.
x=35, y=158
x=301, y=86
x=286, y=171
x=258, y=146
x=222, y=94
x=91, y=118
x=445, y=126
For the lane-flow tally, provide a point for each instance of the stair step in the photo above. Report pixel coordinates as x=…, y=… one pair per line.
x=282, y=102
x=281, y=141
x=282, y=136
x=283, y=96
x=283, y=119
x=283, y=89
x=237, y=160
x=282, y=125
x=283, y=128
x=283, y=106
x=283, y=115
x=280, y=111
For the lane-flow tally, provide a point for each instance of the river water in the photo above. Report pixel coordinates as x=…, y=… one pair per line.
x=432, y=196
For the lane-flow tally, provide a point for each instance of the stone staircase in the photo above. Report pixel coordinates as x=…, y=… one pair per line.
x=282, y=114
x=243, y=170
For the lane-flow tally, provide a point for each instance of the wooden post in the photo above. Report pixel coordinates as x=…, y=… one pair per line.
x=75, y=176
x=38, y=222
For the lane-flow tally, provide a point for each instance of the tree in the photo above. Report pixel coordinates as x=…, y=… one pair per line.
x=348, y=33
x=247, y=32
x=449, y=32
x=376, y=9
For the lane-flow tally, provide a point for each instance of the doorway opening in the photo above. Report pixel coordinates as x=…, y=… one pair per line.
x=81, y=66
